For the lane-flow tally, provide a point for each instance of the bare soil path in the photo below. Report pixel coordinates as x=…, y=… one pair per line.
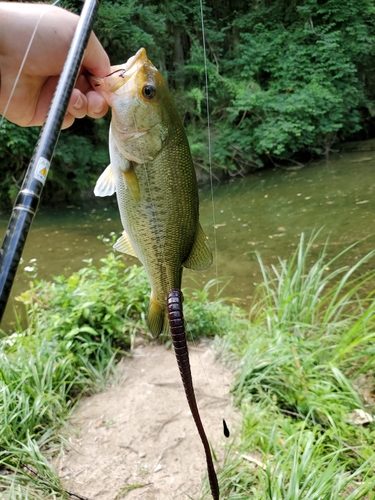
x=137, y=440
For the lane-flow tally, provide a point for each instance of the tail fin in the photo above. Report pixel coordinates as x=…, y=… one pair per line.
x=157, y=318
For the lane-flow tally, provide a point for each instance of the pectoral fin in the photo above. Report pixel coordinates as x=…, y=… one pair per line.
x=200, y=256
x=132, y=183
x=123, y=245
x=106, y=184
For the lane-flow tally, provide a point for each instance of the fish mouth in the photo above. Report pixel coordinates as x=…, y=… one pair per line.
x=121, y=73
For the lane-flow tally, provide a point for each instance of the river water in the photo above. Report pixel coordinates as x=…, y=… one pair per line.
x=263, y=213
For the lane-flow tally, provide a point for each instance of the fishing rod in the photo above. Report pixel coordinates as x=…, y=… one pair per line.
x=28, y=198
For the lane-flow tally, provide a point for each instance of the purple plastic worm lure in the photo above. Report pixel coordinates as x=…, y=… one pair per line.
x=177, y=325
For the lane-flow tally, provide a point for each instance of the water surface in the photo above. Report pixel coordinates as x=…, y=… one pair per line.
x=263, y=213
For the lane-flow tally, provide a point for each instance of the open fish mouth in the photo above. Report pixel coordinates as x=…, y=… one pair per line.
x=121, y=73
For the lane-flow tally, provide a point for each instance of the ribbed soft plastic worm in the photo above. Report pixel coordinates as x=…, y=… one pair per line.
x=176, y=322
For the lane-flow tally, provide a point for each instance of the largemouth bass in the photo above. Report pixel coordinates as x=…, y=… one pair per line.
x=152, y=173
x=153, y=176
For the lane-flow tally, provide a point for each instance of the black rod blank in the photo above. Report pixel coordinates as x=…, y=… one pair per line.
x=28, y=198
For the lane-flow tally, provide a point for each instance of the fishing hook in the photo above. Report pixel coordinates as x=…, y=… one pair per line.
x=121, y=75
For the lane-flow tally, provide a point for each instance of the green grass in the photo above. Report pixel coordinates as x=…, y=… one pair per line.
x=309, y=338
x=300, y=354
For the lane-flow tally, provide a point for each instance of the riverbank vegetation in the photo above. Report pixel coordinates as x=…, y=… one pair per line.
x=286, y=80
x=305, y=384
x=303, y=355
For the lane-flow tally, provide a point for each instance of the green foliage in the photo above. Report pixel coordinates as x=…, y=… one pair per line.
x=297, y=86
x=209, y=318
x=16, y=147
x=285, y=80
x=124, y=27
x=298, y=462
x=299, y=362
x=78, y=161
x=293, y=82
x=76, y=327
x=105, y=306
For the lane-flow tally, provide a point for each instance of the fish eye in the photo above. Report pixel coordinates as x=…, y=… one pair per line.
x=149, y=92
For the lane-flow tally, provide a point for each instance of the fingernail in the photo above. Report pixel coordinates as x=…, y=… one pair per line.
x=99, y=109
x=79, y=103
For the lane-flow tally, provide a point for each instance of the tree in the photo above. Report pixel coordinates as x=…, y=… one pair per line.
x=286, y=79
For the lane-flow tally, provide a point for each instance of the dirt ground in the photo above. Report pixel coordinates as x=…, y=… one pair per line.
x=137, y=440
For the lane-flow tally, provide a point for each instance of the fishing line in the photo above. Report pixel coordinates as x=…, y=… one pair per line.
x=22, y=65
x=226, y=431
x=209, y=145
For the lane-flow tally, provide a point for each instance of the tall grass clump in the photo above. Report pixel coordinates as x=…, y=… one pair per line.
x=307, y=429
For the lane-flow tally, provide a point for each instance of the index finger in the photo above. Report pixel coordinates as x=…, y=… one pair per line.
x=96, y=60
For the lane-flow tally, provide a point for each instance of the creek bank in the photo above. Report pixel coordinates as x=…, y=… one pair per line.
x=138, y=439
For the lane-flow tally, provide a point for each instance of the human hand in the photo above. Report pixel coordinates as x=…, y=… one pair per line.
x=33, y=93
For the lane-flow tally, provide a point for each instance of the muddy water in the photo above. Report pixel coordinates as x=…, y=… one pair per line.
x=264, y=213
